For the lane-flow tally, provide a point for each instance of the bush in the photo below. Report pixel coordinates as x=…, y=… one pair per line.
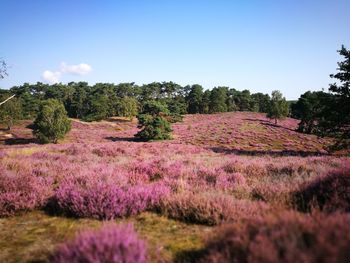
x=153, y=122
x=96, y=198
x=21, y=192
x=112, y=244
x=154, y=128
x=288, y=237
x=330, y=193
x=208, y=209
x=52, y=122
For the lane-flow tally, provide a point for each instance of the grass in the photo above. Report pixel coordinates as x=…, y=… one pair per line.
x=31, y=237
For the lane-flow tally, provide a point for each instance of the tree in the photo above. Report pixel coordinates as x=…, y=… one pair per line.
x=10, y=112
x=206, y=102
x=218, y=97
x=336, y=118
x=309, y=109
x=153, y=122
x=194, y=99
x=262, y=101
x=127, y=107
x=278, y=108
x=52, y=122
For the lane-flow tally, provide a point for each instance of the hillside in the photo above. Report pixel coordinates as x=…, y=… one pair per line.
x=220, y=168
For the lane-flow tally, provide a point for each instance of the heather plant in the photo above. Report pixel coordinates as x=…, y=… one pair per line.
x=285, y=237
x=22, y=192
x=329, y=193
x=111, y=243
x=209, y=209
x=105, y=199
x=52, y=122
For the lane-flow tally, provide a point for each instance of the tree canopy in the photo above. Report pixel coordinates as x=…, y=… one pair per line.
x=278, y=108
x=52, y=122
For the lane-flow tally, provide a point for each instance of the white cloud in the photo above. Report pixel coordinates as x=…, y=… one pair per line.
x=51, y=77
x=80, y=69
x=54, y=76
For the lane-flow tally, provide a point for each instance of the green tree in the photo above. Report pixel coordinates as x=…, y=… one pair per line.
x=10, y=112
x=309, y=109
x=218, y=98
x=52, y=122
x=262, y=101
x=194, y=99
x=278, y=108
x=206, y=102
x=230, y=101
x=336, y=118
x=127, y=107
x=78, y=105
x=244, y=101
x=153, y=122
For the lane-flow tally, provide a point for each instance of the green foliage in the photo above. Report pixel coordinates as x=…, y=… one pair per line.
x=218, y=98
x=278, y=108
x=153, y=122
x=126, y=107
x=244, y=101
x=104, y=100
x=262, y=101
x=52, y=122
x=10, y=112
x=206, y=102
x=310, y=108
x=154, y=128
x=194, y=99
x=336, y=118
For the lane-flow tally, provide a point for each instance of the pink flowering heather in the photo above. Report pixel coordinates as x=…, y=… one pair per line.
x=21, y=192
x=209, y=209
x=329, y=193
x=287, y=237
x=111, y=243
x=101, y=199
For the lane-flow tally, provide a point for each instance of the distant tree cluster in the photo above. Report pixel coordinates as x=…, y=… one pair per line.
x=103, y=100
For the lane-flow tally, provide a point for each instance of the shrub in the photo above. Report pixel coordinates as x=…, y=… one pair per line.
x=208, y=209
x=287, y=237
x=101, y=199
x=112, y=244
x=153, y=122
x=52, y=122
x=127, y=107
x=21, y=192
x=330, y=193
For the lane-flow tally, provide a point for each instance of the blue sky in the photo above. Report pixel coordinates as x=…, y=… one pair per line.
x=259, y=45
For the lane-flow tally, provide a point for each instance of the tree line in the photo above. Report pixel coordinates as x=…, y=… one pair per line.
x=103, y=100
x=158, y=103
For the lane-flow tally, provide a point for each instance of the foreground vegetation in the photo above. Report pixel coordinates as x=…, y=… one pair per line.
x=186, y=197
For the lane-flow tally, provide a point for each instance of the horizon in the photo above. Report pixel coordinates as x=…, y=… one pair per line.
x=290, y=46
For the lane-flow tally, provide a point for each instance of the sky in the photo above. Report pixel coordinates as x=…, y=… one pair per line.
x=260, y=45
